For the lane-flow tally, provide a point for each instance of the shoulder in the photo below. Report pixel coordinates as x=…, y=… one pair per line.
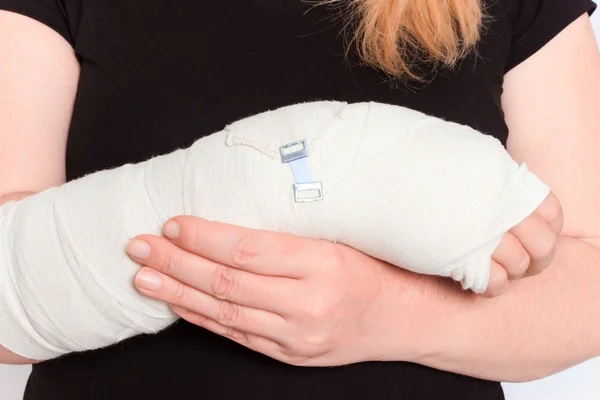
x=61, y=15
x=533, y=23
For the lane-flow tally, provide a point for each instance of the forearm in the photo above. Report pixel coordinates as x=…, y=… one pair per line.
x=66, y=282
x=543, y=325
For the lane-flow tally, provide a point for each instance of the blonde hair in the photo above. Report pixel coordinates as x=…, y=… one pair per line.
x=396, y=35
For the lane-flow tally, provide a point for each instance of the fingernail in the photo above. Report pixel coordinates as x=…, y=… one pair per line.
x=524, y=264
x=139, y=249
x=148, y=280
x=171, y=230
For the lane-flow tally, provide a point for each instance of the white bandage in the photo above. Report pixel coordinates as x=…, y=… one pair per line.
x=427, y=195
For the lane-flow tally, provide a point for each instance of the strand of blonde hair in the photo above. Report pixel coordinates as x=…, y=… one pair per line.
x=395, y=35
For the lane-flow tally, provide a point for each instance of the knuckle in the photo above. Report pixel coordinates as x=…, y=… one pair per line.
x=229, y=314
x=307, y=348
x=316, y=342
x=179, y=294
x=297, y=360
x=332, y=256
x=223, y=282
x=198, y=319
x=170, y=263
x=237, y=335
x=319, y=309
x=244, y=251
x=335, y=255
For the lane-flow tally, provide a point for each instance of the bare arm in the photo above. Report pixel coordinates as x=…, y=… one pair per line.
x=38, y=81
x=549, y=322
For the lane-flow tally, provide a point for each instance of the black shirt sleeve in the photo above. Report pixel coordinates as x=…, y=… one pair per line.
x=60, y=15
x=535, y=22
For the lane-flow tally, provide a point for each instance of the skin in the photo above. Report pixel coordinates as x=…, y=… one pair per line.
x=372, y=290
x=313, y=303
x=32, y=150
x=275, y=293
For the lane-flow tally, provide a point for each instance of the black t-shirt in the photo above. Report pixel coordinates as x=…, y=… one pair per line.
x=156, y=75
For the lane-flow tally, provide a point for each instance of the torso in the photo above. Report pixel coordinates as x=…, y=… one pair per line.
x=157, y=77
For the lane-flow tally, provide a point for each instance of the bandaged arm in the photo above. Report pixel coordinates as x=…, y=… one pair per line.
x=421, y=193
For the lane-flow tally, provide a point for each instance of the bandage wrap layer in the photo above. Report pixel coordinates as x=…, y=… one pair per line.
x=427, y=195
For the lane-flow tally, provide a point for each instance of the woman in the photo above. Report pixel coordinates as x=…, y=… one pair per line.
x=199, y=73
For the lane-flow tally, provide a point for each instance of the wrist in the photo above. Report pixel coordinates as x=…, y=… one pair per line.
x=428, y=322
x=407, y=306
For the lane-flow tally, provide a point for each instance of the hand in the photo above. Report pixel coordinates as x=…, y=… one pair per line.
x=298, y=300
x=528, y=248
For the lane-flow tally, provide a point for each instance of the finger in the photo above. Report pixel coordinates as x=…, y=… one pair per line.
x=512, y=256
x=498, y=283
x=162, y=287
x=539, y=240
x=254, y=342
x=551, y=211
x=222, y=282
x=261, y=252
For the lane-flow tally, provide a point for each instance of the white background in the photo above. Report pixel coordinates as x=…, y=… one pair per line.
x=579, y=383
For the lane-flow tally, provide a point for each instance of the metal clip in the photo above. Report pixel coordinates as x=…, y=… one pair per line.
x=305, y=192
x=305, y=189
x=293, y=155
